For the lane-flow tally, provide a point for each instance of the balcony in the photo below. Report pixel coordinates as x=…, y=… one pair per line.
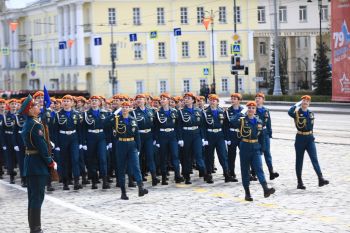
x=23, y=64
x=87, y=27
x=88, y=61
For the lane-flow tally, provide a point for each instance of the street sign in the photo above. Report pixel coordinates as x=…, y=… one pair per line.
x=133, y=37
x=5, y=51
x=177, y=31
x=236, y=37
x=236, y=48
x=153, y=35
x=97, y=41
x=205, y=71
x=258, y=79
x=33, y=73
x=32, y=66
x=62, y=45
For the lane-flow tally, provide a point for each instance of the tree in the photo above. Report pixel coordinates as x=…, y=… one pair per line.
x=323, y=75
x=283, y=58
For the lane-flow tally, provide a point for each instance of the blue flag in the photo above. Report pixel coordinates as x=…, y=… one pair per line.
x=47, y=101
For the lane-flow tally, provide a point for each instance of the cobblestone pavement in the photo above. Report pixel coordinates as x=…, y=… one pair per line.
x=217, y=207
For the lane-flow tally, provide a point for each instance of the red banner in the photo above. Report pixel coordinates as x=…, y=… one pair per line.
x=341, y=50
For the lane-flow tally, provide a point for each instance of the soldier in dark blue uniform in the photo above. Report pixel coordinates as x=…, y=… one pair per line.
x=251, y=147
x=67, y=138
x=264, y=115
x=3, y=147
x=20, y=119
x=192, y=138
x=128, y=144
x=166, y=131
x=305, y=140
x=232, y=132
x=9, y=129
x=95, y=141
x=36, y=162
x=145, y=117
x=214, y=125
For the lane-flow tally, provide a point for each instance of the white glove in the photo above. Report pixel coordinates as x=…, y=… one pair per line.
x=227, y=143
x=204, y=142
x=117, y=111
x=244, y=110
x=4, y=148
x=138, y=153
x=181, y=143
x=84, y=147
x=154, y=142
x=57, y=149
x=157, y=145
x=55, y=165
x=52, y=144
x=298, y=104
x=107, y=147
x=110, y=145
x=80, y=147
x=16, y=148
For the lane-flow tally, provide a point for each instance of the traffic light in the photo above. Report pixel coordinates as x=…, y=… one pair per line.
x=246, y=71
x=236, y=64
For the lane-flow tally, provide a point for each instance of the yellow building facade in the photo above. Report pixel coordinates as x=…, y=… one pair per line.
x=66, y=46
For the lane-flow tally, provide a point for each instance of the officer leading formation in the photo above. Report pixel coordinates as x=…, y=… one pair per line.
x=94, y=140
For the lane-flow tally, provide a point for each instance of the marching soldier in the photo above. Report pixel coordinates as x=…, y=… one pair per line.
x=214, y=125
x=264, y=115
x=128, y=142
x=145, y=117
x=36, y=162
x=251, y=146
x=96, y=145
x=232, y=133
x=192, y=138
x=66, y=137
x=2, y=139
x=167, y=138
x=20, y=119
x=305, y=140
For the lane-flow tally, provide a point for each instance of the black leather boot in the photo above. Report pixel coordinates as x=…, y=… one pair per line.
x=228, y=178
x=164, y=180
x=77, y=186
x=131, y=182
x=65, y=184
x=124, y=196
x=267, y=191
x=24, y=182
x=234, y=177
x=188, y=179
x=208, y=178
x=322, y=181
x=35, y=221
x=12, y=179
x=142, y=190
x=105, y=184
x=94, y=183
x=247, y=197
x=179, y=179
x=273, y=174
x=84, y=181
x=155, y=180
x=300, y=184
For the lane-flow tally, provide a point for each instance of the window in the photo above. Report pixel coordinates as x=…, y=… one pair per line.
x=160, y=16
x=302, y=14
x=161, y=50
x=201, y=48
x=111, y=16
x=163, y=86
x=186, y=85
x=262, y=47
x=238, y=15
x=224, y=85
x=298, y=42
x=306, y=42
x=34, y=84
x=137, y=51
x=261, y=14
x=200, y=14
x=185, y=49
x=54, y=84
x=283, y=14
x=183, y=15
x=139, y=87
x=222, y=14
x=324, y=13
x=136, y=16
x=223, y=48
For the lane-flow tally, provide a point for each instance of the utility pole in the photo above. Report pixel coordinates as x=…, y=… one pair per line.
x=112, y=76
x=277, y=84
x=212, y=48
x=235, y=31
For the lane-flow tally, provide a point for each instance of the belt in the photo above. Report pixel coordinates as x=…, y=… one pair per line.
x=250, y=141
x=144, y=130
x=214, y=130
x=8, y=132
x=67, y=132
x=167, y=130
x=95, y=130
x=126, y=139
x=190, y=128
x=305, y=133
x=31, y=152
x=234, y=130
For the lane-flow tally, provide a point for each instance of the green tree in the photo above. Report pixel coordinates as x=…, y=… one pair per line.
x=283, y=58
x=323, y=75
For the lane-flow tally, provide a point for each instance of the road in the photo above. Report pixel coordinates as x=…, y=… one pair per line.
x=218, y=207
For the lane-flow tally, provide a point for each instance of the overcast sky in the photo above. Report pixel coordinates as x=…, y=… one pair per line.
x=18, y=3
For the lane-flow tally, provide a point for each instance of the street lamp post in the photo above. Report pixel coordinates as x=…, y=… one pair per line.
x=277, y=79
x=112, y=74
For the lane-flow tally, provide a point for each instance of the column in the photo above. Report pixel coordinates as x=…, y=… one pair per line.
x=73, y=54
x=291, y=63
x=173, y=48
x=66, y=33
x=80, y=34
x=251, y=46
x=60, y=34
x=150, y=50
x=95, y=51
x=313, y=53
